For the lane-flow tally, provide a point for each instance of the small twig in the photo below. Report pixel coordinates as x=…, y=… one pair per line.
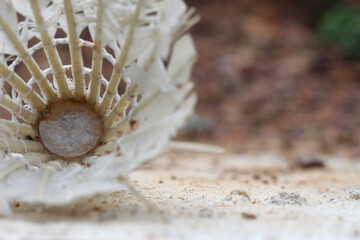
x=151, y=207
x=30, y=63
x=195, y=147
x=19, y=129
x=75, y=51
x=97, y=57
x=119, y=66
x=20, y=146
x=18, y=110
x=48, y=171
x=120, y=108
x=51, y=53
x=17, y=83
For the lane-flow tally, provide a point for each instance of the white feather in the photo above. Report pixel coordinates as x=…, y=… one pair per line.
x=143, y=144
x=166, y=99
x=151, y=139
x=170, y=17
x=50, y=13
x=117, y=16
x=81, y=19
x=173, y=10
x=24, y=7
x=143, y=40
x=182, y=59
x=8, y=14
x=5, y=209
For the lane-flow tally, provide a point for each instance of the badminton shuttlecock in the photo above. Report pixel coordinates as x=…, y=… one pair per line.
x=68, y=131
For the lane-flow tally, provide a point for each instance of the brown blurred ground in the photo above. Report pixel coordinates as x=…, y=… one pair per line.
x=264, y=84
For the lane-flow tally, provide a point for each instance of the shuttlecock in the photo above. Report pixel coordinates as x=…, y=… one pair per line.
x=72, y=133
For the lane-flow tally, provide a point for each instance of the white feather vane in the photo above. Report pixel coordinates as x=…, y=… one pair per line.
x=8, y=17
x=71, y=131
x=50, y=13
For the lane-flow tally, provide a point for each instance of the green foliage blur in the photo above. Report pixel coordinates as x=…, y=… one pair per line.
x=340, y=27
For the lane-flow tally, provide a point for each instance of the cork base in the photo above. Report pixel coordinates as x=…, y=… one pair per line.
x=70, y=129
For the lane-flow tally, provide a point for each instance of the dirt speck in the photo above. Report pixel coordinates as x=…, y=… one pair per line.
x=284, y=198
x=309, y=161
x=249, y=216
x=238, y=196
x=354, y=194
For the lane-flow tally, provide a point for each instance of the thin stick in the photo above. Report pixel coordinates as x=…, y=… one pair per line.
x=75, y=51
x=151, y=207
x=195, y=147
x=44, y=182
x=120, y=108
x=30, y=63
x=19, y=128
x=48, y=171
x=119, y=66
x=51, y=53
x=18, y=110
x=188, y=20
x=20, y=146
x=97, y=57
x=28, y=93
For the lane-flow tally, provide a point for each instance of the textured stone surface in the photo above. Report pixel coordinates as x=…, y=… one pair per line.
x=203, y=196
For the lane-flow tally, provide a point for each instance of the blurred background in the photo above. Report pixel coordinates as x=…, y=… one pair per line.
x=278, y=75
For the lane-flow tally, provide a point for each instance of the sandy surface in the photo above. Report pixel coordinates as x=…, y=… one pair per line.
x=202, y=196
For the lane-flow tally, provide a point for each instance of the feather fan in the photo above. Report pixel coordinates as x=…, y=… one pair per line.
x=67, y=130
